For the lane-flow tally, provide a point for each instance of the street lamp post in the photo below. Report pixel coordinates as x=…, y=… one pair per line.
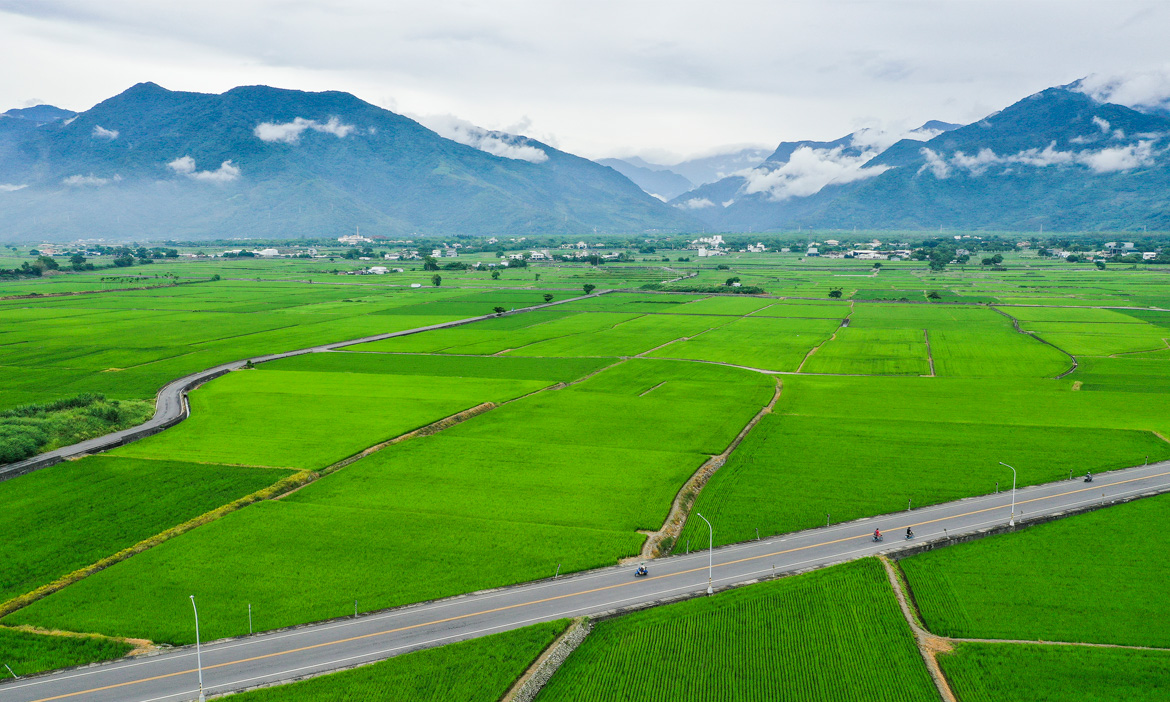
x=198, y=652
x=1012, y=519
x=710, y=555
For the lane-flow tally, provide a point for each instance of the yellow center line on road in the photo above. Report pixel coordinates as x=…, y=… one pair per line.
x=571, y=594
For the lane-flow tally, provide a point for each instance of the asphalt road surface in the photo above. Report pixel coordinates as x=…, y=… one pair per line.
x=285, y=655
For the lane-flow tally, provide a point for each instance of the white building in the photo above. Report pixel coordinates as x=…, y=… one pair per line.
x=379, y=270
x=267, y=253
x=758, y=248
x=352, y=239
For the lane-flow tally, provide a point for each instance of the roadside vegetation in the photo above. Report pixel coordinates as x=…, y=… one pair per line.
x=27, y=430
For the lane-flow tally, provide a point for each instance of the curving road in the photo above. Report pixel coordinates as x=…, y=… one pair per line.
x=286, y=655
x=171, y=403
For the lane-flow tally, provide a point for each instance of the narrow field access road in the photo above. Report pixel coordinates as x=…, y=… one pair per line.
x=281, y=656
x=171, y=402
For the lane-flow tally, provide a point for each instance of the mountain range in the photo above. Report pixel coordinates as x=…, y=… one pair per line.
x=1059, y=160
x=152, y=163
x=257, y=161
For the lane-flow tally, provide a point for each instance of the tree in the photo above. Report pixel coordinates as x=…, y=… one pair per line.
x=436, y=280
x=878, y=264
x=47, y=263
x=934, y=295
x=589, y=288
x=1073, y=258
x=498, y=310
x=723, y=267
x=732, y=281
x=124, y=260
x=548, y=297
x=997, y=259
x=495, y=275
x=987, y=262
x=430, y=264
x=594, y=259
x=1100, y=265
x=77, y=260
x=835, y=293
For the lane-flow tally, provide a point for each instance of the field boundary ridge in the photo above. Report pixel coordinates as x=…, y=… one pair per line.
x=533, y=680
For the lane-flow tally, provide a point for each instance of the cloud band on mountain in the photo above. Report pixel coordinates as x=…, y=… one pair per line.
x=290, y=132
x=1109, y=160
x=808, y=171
x=495, y=143
x=185, y=166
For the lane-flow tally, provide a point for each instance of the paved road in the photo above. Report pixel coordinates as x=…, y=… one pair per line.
x=279, y=656
x=171, y=402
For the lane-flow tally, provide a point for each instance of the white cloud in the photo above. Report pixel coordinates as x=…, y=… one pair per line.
x=1137, y=89
x=695, y=203
x=9, y=188
x=1121, y=158
x=91, y=179
x=185, y=166
x=290, y=132
x=100, y=132
x=809, y=170
x=871, y=139
x=1111, y=160
x=1102, y=124
x=935, y=163
x=495, y=143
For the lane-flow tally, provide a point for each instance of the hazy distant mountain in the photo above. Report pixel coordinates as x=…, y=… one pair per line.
x=259, y=161
x=41, y=114
x=663, y=184
x=1058, y=158
x=708, y=169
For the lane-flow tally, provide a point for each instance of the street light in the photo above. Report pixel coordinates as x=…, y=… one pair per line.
x=1012, y=519
x=198, y=652
x=710, y=556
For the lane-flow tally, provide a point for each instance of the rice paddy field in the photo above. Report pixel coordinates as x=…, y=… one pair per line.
x=797, y=638
x=1092, y=578
x=1003, y=672
x=590, y=416
x=27, y=653
x=75, y=513
x=498, y=483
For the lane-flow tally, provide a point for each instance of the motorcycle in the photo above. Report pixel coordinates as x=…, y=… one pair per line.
x=1088, y=477
x=641, y=572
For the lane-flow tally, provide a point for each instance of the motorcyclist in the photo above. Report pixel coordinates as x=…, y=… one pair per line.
x=909, y=533
x=641, y=569
x=877, y=535
x=1088, y=477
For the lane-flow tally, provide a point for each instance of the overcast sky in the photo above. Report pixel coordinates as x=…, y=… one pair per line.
x=598, y=78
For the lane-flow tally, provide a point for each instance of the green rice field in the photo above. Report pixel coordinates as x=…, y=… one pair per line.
x=797, y=638
x=1006, y=672
x=907, y=388
x=1096, y=578
x=27, y=653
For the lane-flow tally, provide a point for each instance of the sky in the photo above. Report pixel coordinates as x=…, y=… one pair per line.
x=661, y=79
